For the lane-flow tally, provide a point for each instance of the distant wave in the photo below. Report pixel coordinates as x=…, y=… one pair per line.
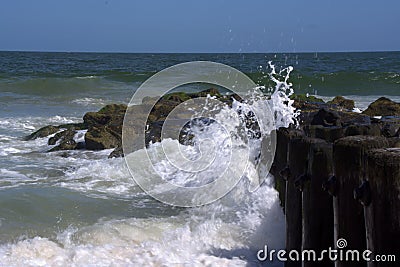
x=87, y=77
x=322, y=83
x=53, y=86
x=342, y=83
x=88, y=101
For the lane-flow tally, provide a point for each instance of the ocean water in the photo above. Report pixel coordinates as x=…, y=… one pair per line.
x=83, y=209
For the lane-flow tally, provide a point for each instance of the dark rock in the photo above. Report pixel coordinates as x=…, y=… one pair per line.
x=43, y=132
x=310, y=110
x=116, y=153
x=383, y=107
x=98, y=138
x=64, y=135
x=105, y=127
x=371, y=129
x=306, y=102
x=113, y=113
x=329, y=134
x=342, y=102
x=162, y=108
x=96, y=118
x=153, y=135
x=65, y=139
x=390, y=126
x=69, y=144
x=73, y=126
x=204, y=93
x=342, y=118
x=394, y=142
x=306, y=98
x=168, y=102
x=149, y=100
x=351, y=118
x=113, y=109
x=390, y=130
x=326, y=118
x=178, y=97
x=80, y=145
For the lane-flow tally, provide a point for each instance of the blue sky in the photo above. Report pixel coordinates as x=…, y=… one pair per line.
x=200, y=26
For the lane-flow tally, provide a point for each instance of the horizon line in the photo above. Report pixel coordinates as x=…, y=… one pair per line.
x=197, y=52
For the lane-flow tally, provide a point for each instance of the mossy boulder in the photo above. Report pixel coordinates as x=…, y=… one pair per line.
x=113, y=114
x=105, y=127
x=96, y=118
x=306, y=102
x=73, y=126
x=168, y=102
x=177, y=97
x=113, y=109
x=116, y=153
x=306, y=97
x=205, y=93
x=68, y=144
x=43, y=132
x=98, y=138
x=65, y=140
x=64, y=135
x=340, y=101
x=383, y=107
x=50, y=129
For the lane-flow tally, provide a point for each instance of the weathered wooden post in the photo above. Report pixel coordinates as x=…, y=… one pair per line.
x=280, y=166
x=317, y=205
x=349, y=165
x=380, y=195
x=298, y=160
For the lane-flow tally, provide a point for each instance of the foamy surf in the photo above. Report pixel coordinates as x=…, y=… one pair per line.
x=89, y=101
x=225, y=233
x=20, y=125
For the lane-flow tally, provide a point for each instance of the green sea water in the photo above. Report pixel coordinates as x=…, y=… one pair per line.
x=85, y=209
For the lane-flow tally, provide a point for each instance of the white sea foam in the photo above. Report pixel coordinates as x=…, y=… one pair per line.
x=87, y=77
x=13, y=175
x=80, y=136
x=108, y=176
x=29, y=124
x=88, y=101
x=227, y=232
